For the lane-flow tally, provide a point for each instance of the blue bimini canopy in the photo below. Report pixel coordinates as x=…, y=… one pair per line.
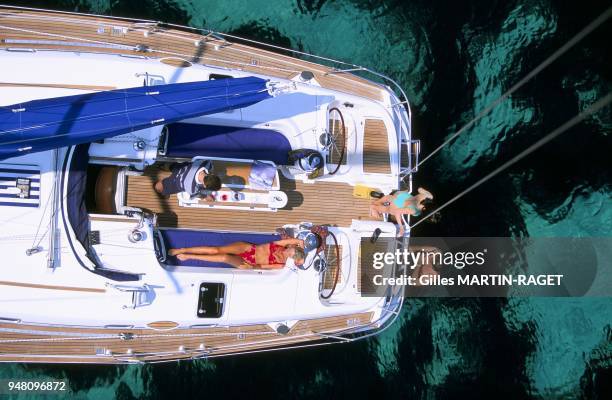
x=46, y=124
x=190, y=140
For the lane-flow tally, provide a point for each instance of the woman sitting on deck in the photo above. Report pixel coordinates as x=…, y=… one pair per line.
x=400, y=203
x=246, y=255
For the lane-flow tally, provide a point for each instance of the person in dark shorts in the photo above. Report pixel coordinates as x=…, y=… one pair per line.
x=195, y=178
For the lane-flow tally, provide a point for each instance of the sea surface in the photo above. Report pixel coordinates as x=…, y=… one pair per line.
x=453, y=58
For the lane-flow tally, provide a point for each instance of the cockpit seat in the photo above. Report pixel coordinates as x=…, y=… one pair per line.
x=189, y=140
x=106, y=185
x=177, y=238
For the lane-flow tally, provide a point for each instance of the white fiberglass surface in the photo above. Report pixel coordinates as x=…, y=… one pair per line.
x=251, y=296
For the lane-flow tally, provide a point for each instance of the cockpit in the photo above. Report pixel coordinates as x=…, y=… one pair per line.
x=268, y=191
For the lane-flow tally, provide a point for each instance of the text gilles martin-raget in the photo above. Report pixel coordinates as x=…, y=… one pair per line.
x=458, y=260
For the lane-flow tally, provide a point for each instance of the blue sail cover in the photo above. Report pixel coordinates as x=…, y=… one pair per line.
x=46, y=124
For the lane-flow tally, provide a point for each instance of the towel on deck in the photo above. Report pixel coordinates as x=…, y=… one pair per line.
x=262, y=175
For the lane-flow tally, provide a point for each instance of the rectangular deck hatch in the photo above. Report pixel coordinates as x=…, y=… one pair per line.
x=210, y=300
x=214, y=77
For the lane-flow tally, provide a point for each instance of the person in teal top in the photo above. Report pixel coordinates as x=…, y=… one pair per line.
x=405, y=200
x=400, y=203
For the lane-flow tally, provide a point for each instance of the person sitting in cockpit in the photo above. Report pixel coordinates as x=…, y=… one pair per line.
x=246, y=255
x=195, y=178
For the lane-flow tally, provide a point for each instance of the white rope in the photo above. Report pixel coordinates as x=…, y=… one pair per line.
x=211, y=32
x=17, y=237
x=242, y=64
x=131, y=26
x=135, y=48
x=66, y=37
x=44, y=213
x=131, y=22
x=562, y=50
x=190, y=39
x=598, y=105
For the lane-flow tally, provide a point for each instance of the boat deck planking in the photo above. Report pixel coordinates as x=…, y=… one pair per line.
x=319, y=203
x=376, y=157
x=56, y=31
x=334, y=266
x=33, y=343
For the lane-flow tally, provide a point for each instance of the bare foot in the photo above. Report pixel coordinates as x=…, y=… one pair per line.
x=158, y=187
x=174, y=252
x=183, y=257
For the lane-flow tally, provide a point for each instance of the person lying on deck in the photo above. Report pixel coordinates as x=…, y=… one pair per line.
x=400, y=203
x=194, y=178
x=246, y=255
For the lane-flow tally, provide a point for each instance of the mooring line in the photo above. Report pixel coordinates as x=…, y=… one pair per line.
x=563, y=49
x=598, y=105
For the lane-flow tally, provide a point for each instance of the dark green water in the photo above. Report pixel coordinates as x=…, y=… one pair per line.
x=453, y=58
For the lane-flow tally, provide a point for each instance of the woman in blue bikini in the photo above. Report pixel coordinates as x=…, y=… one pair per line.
x=400, y=203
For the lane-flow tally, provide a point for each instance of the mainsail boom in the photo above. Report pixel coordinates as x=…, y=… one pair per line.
x=45, y=124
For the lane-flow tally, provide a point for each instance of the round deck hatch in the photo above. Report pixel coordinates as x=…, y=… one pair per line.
x=176, y=62
x=162, y=325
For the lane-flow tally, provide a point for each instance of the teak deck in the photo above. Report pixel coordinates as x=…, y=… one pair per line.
x=334, y=266
x=319, y=203
x=31, y=29
x=34, y=343
x=376, y=158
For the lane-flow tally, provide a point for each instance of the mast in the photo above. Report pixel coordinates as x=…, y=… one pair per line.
x=52, y=256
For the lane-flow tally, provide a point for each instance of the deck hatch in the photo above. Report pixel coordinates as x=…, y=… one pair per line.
x=214, y=77
x=376, y=156
x=210, y=300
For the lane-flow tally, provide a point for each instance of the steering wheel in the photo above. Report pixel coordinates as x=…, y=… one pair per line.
x=334, y=141
x=338, y=270
x=311, y=242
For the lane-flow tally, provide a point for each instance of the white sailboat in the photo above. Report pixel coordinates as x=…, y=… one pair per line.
x=95, y=108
